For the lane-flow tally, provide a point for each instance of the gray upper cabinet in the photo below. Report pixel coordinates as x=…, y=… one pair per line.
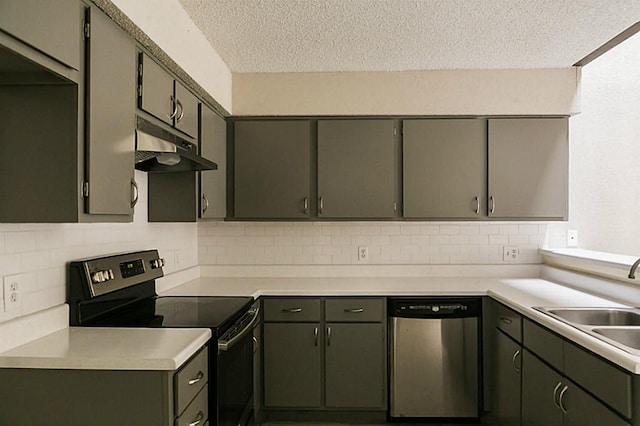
x=444, y=168
x=272, y=175
x=167, y=99
x=213, y=145
x=53, y=27
x=110, y=120
x=356, y=168
x=528, y=168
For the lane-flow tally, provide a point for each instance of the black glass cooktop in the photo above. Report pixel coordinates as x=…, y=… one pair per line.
x=217, y=313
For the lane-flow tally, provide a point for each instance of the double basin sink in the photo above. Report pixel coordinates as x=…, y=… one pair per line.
x=619, y=327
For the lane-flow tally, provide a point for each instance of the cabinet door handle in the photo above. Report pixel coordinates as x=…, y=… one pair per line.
x=305, y=204
x=506, y=320
x=561, y=399
x=477, y=204
x=293, y=310
x=328, y=336
x=181, y=114
x=321, y=205
x=134, y=193
x=513, y=360
x=492, y=200
x=555, y=395
x=198, y=419
x=315, y=335
x=196, y=379
x=354, y=310
x=256, y=344
x=206, y=204
x=173, y=105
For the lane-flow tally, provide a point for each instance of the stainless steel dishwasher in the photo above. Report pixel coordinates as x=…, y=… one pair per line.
x=434, y=362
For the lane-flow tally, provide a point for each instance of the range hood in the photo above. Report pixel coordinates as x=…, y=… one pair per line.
x=159, y=150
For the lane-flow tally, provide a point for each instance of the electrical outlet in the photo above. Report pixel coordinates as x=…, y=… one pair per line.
x=572, y=238
x=510, y=253
x=363, y=254
x=12, y=293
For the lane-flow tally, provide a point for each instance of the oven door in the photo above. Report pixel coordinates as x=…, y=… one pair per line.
x=235, y=372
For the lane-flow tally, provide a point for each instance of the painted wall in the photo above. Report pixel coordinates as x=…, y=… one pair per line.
x=38, y=254
x=167, y=24
x=604, y=178
x=451, y=92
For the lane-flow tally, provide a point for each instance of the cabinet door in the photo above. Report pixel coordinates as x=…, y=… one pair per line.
x=110, y=120
x=157, y=91
x=356, y=168
x=272, y=169
x=53, y=27
x=355, y=365
x=507, y=379
x=444, y=168
x=540, y=388
x=528, y=168
x=584, y=410
x=187, y=116
x=292, y=367
x=213, y=183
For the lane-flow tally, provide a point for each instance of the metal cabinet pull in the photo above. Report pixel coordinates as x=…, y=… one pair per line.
x=506, y=320
x=198, y=419
x=293, y=310
x=196, y=379
x=321, y=205
x=354, y=311
x=174, y=107
x=561, y=399
x=305, y=204
x=493, y=204
x=555, y=394
x=256, y=344
x=206, y=204
x=328, y=336
x=134, y=192
x=477, y=204
x=513, y=360
x=181, y=115
x=315, y=335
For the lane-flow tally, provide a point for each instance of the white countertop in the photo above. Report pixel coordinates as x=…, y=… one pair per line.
x=521, y=294
x=96, y=348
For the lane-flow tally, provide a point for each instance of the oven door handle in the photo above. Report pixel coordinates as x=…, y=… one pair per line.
x=225, y=345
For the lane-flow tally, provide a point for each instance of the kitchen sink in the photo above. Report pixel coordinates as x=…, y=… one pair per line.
x=629, y=337
x=597, y=316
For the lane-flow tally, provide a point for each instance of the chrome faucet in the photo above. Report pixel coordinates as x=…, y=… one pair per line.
x=632, y=271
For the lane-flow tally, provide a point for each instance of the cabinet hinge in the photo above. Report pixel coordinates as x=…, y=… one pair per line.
x=139, y=90
x=85, y=188
x=87, y=30
x=140, y=70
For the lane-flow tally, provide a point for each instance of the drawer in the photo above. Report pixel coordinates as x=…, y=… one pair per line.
x=508, y=321
x=354, y=310
x=291, y=309
x=605, y=381
x=197, y=412
x=191, y=378
x=543, y=343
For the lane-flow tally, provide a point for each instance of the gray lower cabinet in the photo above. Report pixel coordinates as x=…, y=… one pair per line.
x=110, y=120
x=52, y=27
x=444, y=168
x=272, y=169
x=105, y=397
x=528, y=168
x=507, y=378
x=356, y=168
x=213, y=183
x=292, y=365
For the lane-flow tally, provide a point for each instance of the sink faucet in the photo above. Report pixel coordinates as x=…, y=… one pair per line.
x=632, y=271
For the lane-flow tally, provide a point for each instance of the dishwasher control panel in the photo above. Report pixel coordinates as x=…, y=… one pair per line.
x=434, y=307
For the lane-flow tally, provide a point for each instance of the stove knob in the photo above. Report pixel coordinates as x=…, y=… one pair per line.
x=98, y=277
x=111, y=276
x=157, y=263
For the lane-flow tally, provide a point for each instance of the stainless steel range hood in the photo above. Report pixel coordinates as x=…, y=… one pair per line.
x=159, y=150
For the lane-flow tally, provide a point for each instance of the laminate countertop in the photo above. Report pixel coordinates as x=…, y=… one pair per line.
x=520, y=294
x=97, y=348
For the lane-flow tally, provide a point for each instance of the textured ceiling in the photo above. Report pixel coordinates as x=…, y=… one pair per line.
x=396, y=35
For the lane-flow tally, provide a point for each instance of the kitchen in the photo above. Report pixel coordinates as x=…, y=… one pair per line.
x=37, y=253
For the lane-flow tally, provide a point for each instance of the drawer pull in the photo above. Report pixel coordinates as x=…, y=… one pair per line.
x=561, y=399
x=195, y=380
x=506, y=320
x=516, y=367
x=198, y=419
x=293, y=310
x=555, y=394
x=354, y=311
